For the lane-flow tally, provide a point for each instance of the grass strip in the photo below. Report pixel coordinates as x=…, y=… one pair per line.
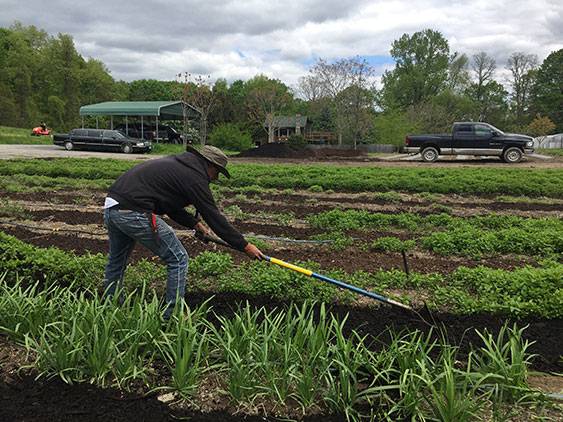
x=479, y=180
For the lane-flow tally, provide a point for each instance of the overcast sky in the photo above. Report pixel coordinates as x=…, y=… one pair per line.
x=239, y=39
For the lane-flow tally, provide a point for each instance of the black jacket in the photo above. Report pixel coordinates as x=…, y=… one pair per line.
x=167, y=185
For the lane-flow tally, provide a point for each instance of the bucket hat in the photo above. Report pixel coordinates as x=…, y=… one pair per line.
x=214, y=155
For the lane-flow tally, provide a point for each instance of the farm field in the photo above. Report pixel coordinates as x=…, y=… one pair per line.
x=480, y=244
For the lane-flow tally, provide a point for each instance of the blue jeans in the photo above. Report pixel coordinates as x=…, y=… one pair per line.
x=125, y=228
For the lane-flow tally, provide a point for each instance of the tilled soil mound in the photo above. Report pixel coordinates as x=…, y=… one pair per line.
x=280, y=150
x=329, y=152
x=277, y=150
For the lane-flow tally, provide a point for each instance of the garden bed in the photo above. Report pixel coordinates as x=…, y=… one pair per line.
x=71, y=220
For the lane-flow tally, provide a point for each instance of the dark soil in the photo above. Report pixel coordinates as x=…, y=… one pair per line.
x=277, y=150
x=281, y=150
x=23, y=398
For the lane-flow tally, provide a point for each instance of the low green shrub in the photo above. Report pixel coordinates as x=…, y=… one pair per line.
x=11, y=209
x=210, y=264
x=48, y=265
x=523, y=292
x=337, y=240
x=315, y=188
x=295, y=140
x=230, y=137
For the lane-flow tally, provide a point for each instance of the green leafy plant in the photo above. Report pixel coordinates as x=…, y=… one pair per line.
x=284, y=219
x=336, y=239
x=185, y=350
x=12, y=210
x=230, y=137
x=210, y=264
x=237, y=213
x=454, y=395
x=500, y=181
x=506, y=359
x=392, y=196
x=296, y=141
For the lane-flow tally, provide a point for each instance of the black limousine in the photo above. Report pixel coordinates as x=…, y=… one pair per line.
x=101, y=140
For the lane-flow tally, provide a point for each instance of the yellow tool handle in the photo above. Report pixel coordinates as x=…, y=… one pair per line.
x=291, y=266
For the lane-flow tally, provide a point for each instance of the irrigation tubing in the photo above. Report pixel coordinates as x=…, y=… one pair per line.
x=191, y=231
x=51, y=229
x=279, y=239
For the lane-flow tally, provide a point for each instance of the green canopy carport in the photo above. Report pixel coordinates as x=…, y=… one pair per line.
x=163, y=110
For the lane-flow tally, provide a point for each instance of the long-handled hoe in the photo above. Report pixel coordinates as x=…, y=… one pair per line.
x=209, y=238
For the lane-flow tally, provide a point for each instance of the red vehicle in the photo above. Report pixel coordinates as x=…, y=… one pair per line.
x=41, y=131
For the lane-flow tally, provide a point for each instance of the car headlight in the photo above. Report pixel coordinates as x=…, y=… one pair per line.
x=530, y=143
x=140, y=144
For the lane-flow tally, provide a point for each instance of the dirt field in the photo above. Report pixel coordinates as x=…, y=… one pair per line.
x=24, y=399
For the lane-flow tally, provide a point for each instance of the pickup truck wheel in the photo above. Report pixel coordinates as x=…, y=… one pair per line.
x=430, y=154
x=512, y=155
x=69, y=146
x=127, y=148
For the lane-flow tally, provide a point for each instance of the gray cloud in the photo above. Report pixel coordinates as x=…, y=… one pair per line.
x=241, y=38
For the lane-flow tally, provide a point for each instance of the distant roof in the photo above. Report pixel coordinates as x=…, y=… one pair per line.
x=169, y=110
x=288, y=121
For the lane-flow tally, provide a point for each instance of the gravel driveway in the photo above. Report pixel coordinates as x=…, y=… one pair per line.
x=52, y=151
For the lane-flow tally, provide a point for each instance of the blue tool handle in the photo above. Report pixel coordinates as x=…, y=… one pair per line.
x=361, y=291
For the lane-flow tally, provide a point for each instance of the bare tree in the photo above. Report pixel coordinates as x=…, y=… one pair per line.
x=484, y=68
x=200, y=97
x=181, y=91
x=345, y=82
x=334, y=79
x=522, y=67
x=266, y=99
x=359, y=97
x=309, y=88
x=203, y=99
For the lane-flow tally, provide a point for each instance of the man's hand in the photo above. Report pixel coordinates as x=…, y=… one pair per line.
x=201, y=229
x=253, y=252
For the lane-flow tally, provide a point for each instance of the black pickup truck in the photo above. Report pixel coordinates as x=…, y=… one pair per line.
x=471, y=138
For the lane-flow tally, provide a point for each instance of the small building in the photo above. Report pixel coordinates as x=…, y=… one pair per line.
x=285, y=126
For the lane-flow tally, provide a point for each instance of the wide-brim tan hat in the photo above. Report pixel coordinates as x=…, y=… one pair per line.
x=214, y=155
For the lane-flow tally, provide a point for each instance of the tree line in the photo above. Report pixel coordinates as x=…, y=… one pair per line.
x=44, y=79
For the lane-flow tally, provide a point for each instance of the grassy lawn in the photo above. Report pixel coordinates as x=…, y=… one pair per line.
x=12, y=135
